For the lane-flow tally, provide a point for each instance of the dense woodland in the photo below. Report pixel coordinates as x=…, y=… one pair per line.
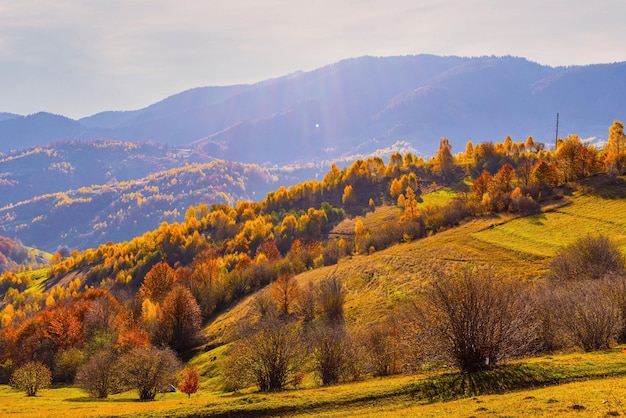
x=150, y=297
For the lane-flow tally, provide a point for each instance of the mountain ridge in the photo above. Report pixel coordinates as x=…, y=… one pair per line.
x=333, y=109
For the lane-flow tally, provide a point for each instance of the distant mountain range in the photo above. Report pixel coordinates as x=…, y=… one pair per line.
x=83, y=194
x=358, y=104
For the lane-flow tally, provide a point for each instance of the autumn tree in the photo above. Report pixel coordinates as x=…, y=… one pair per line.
x=545, y=173
x=101, y=316
x=285, y=292
x=482, y=185
x=411, y=207
x=180, y=320
x=443, y=160
x=100, y=376
x=615, y=149
x=349, y=196
x=158, y=282
x=204, y=282
x=395, y=188
x=504, y=179
x=64, y=329
x=469, y=150
x=147, y=369
x=190, y=381
x=575, y=159
x=31, y=377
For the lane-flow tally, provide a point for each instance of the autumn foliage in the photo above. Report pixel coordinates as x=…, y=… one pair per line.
x=190, y=381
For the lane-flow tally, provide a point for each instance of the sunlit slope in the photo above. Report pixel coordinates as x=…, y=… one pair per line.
x=591, y=211
x=377, y=282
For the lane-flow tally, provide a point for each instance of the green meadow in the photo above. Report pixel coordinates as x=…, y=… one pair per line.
x=582, y=214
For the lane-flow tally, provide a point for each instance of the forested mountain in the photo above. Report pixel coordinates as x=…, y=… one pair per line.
x=120, y=210
x=333, y=110
x=13, y=255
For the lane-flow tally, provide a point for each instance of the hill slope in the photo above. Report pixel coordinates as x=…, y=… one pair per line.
x=117, y=211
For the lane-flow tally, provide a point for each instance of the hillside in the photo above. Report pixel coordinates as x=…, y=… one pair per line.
x=14, y=255
x=33, y=180
x=585, y=381
x=119, y=210
x=341, y=108
x=460, y=271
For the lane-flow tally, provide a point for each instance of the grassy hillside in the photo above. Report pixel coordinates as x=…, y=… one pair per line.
x=596, y=208
x=556, y=385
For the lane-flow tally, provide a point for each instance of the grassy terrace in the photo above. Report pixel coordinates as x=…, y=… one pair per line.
x=544, y=234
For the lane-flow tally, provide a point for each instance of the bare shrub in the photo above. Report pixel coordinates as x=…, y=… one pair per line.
x=550, y=335
x=100, y=376
x=588, y=258
x=31, y=377
x=306, y=305
x=382, y=342
x=263, y=305
x=588, y=313
x=337, y=354
x=474, y=319
x=269, y=356
x=148, y=369
x=332, y=296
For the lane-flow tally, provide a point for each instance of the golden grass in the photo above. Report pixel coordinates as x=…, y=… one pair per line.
x=544, y=234
x=596, y=388
x=439, y=197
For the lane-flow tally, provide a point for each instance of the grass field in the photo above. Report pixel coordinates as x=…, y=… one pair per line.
x=586, y=384
x=544, y=234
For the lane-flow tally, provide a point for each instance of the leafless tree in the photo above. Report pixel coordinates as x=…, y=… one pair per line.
x=588, y=313
x=474, y=319
x=332, y=296
x=148, y=369
x=100, y=376
x=269, y=356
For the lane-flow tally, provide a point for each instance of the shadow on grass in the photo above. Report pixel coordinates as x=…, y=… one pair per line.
x=537, y=219
x=497, y=381
x=87, y=399
x=606, y=187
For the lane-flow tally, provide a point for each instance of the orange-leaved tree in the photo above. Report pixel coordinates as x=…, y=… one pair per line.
x=190, y=382
x=158, y=282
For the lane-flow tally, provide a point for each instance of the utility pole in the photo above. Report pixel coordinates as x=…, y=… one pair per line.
x=557, y=129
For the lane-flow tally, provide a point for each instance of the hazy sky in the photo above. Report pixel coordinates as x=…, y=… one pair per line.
x=79, y=57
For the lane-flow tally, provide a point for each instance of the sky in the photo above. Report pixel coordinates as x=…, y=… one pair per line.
x=80, y=57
